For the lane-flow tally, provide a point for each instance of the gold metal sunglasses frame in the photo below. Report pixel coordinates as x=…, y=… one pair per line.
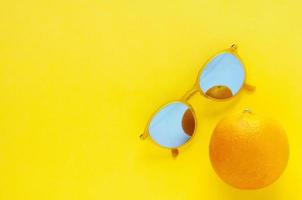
x=196, y=88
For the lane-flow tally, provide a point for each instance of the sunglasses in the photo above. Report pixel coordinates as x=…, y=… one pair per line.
x=221, y=78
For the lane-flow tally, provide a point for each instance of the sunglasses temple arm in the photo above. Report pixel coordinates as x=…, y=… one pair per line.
x=249, y=87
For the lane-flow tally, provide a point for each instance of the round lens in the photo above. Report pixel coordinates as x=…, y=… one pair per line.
x=173, y=125
x=222, y=77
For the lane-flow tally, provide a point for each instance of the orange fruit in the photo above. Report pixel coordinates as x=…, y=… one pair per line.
x=248, y=151
x=219, y=92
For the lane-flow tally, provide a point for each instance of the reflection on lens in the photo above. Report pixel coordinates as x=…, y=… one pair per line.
x=222, y=77
x=188, y=122
x=173, y=125
x=219, y=92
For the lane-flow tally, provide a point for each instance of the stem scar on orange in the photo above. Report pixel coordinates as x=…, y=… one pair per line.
x=248, y=151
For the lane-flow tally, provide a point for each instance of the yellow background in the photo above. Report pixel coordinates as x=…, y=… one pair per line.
x=80, y=78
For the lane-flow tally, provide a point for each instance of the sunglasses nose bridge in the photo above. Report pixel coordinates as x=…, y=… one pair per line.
x=189, y=94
